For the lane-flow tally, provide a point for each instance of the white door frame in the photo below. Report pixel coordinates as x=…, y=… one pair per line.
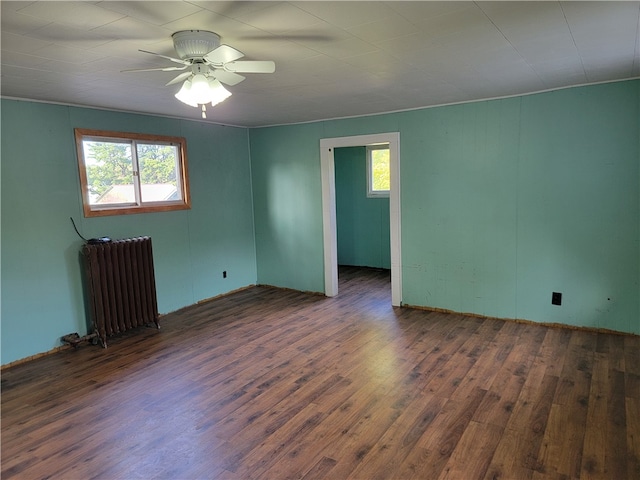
x=330, y=237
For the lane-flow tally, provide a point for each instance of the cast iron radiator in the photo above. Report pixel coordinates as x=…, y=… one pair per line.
x=121, y=286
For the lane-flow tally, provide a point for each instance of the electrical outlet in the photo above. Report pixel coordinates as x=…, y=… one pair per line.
x=224, y=274
x=556, y=298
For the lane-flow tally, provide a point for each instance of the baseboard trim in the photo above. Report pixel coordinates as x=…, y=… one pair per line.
x=287, y=289
x=528, y=322
x=34, y=357
x=205, y=300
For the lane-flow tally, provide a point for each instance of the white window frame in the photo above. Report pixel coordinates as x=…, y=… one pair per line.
x=182, y=177
x=371, y=193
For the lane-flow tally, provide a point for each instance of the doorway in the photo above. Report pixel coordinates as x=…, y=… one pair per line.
x=329, y=224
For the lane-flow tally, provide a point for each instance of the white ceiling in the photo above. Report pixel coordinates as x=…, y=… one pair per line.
x=333, y=59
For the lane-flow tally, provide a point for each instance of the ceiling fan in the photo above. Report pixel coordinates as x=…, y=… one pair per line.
x=207, y=65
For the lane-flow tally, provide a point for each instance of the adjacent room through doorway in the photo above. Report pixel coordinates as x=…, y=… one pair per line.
x=352, y=247
x=362, y=211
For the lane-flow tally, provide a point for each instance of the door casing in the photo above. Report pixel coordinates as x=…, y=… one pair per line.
x=330, y=237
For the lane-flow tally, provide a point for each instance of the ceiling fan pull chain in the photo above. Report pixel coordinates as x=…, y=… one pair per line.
x=204, y=110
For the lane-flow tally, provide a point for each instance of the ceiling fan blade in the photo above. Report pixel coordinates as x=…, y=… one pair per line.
x=177, y=60
x=223, y=54
x=251, y=66
x=160, y=69
x=229, y=78
x=179, y=78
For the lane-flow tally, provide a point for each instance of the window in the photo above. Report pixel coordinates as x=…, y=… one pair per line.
x=378, y=172
x=122, y=173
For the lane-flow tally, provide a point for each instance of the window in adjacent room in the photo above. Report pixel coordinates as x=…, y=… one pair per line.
x=122, y=173
x=378, y=170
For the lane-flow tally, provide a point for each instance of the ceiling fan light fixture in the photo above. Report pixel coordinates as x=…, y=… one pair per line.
x=210, y=65
x=200, y=90
x=184, y=95
x=218, y=92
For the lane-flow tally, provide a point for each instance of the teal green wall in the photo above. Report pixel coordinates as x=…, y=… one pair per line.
x=362, y=222
x=578, y=229
x=285, y=167
x=42, y=295
x=503, y=202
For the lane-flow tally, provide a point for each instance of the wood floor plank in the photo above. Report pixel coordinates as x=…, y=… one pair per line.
x=267, y=383
x=432, y=452
x=517, y=454
x=332, y=439
x=633, y=435
x=616, y=427
x=472, y=455
x=505, y=462
x=388, y=454
x=594, y=450
x=631, y=345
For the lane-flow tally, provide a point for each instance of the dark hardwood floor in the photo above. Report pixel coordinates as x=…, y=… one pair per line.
x=275, y=384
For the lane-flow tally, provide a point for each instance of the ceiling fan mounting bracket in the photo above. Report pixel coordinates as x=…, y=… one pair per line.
x=191, y=44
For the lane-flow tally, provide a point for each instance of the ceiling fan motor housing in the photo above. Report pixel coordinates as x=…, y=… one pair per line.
x=194, y=43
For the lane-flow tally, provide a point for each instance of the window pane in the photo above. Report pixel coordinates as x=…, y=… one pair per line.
x=159, y=166
x=380, y=176
x=109, y=168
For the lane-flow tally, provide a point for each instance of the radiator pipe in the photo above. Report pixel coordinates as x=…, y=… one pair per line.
x=74, y=339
